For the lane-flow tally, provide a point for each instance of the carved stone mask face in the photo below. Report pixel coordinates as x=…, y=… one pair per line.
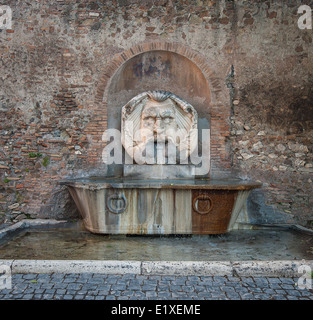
x=158, y=119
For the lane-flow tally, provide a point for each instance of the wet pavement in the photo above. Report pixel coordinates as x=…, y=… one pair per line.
x=75, y=243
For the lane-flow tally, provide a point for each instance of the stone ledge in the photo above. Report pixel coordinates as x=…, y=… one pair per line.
x=288, y=268
x=28, y=223
x=204, y=268
x=75, y=266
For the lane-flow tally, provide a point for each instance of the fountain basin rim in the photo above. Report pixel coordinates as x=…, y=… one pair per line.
x=98, y=183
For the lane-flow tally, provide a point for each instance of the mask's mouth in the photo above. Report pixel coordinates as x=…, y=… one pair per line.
x=160, y=139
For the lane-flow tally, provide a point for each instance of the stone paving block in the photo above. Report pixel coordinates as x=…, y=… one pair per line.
x=287, y=286
x=200, y=288
x=246, y=295
x=60, y=291
x=193, y=278
x=60, y=285
x=46, y=285
x=280, y=291
x=293, y=293
x=57, y=276
x=105, y=287
x=50, y=291
x=134, y=287
x=174, y=288
x=188, y=288
x=154, y=277
x=305, y=292
x=150, y=282
x=159, y=287
x=227, y=289
x=192, y=282
x=205, y=295
x=179, y=282
x=81, y=280
x=269, y=291
x=275, y=286
x=148, y=287
x=274, y=280
x=99, y=281
x=29, y=276
x=70, y=280
x=218, y=295
x=255, y=290
x=71, y=292
x=104, y=292
x=164, y=294
x=291, y=281
x=136, y=281
x=82, y=292
x=127, y=293
x=151, y=294
x=74, y=286
x=100, y=276
x=233, y=296
x=88, y=275
x=168, y=277
x=18, y=290
x=262, y=296
x=88, y=286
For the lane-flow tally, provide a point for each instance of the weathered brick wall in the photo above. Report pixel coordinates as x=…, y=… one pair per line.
x=57, y=62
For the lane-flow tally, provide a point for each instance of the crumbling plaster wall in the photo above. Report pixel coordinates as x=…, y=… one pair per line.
x=55, y=55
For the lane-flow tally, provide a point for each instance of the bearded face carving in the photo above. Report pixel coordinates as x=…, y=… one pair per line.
x=159, y=127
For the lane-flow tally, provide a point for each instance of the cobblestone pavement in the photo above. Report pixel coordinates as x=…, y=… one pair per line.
x=92, y=286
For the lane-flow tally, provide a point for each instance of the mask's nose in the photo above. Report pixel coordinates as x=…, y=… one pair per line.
x=157, y=125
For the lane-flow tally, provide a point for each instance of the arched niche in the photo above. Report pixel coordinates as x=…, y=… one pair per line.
x=158, y=70
x=171, y=67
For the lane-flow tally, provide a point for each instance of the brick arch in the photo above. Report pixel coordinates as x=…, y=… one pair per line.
x=118, y=60
x=219, y=104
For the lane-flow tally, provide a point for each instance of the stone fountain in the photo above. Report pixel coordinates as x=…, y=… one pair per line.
x=165, y=186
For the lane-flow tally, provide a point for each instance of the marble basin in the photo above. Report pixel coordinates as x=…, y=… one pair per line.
x=148, y=207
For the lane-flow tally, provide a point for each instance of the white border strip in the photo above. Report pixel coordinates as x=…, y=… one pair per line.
x=76, y=266
x=288, y=268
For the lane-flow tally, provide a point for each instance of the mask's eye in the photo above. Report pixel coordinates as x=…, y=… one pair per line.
x=167, y=119
x=148, y=121
x=148, y=118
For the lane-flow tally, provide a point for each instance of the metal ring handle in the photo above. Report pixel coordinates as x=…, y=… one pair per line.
x=202, y=197
x=113, y=197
